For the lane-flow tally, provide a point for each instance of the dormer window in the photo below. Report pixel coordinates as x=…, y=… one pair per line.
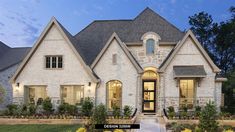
x=150, y=40
x=150, y=46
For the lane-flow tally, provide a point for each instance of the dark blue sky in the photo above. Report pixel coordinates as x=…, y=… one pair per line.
x=22, y=21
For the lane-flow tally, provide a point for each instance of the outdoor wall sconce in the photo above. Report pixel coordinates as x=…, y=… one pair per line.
x=17, y=85
x=89, y=84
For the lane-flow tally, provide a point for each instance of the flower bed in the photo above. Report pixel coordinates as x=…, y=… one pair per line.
x=12, y=121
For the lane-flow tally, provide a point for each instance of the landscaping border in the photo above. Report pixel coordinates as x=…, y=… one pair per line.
x=14, y=121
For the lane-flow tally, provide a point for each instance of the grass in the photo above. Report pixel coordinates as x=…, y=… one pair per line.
x=39, y=128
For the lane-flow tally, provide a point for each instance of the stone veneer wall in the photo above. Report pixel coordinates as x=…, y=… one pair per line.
x=161, y=52
x=5, y=76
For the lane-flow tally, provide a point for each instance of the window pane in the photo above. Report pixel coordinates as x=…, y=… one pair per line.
x=73, y=94
x=150, y=46
x=148, y=95
x=148, y=85
x=114, y=94
x=48, y=62
x=186, y=93
x=60, y=62
x=54, y=62
x=148, y=105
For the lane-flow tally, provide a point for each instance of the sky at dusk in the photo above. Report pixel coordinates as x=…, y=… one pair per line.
x=22, y=21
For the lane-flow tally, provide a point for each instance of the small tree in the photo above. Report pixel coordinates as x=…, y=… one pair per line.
x=87, y=106
x=207, y=118
x=99, y=116
x=47, y=106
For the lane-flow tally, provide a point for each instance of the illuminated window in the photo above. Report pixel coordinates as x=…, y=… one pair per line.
x=35, y=94
x=187, y=93
x=114, y=94
x=149, y=75
x=150, y=46
x=73, y=94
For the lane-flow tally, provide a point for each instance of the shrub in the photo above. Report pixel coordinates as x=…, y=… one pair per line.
x=207, y=118
x=62, y=108
x=66, y=108
x=116, y=112
x=197, y=111
x=99, y=116
x=24, y=110
x=72, y=109
x=47, y=106
x=2, y=94
x=11, y=109
x=184, y=111
x=32, y=109
x=197, y=129
x=171, y=112
x=87, y=106
x=127, y=111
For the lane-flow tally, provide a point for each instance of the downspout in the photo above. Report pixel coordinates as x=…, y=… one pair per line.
x=97, y=86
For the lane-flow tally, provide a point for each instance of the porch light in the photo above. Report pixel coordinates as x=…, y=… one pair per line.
x=17, y=85
x=89, y=84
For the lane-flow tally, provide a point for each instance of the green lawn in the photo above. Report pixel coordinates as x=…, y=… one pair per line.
x=39, y=128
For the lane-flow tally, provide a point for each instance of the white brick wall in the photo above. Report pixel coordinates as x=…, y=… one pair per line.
x=190, y=55
x=123, y=71
x=35, y=73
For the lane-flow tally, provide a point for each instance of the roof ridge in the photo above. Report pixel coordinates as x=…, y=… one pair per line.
x=164, y=19
x=100, y=21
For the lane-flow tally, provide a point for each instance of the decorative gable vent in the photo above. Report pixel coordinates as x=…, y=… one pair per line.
x=114, y=59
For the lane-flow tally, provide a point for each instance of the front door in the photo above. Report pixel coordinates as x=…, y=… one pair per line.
x=149, y=95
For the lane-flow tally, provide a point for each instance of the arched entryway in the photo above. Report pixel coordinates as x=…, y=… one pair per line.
x=149, y=87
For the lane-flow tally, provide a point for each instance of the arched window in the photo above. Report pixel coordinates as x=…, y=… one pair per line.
x=150, y=46
x=149, y=75
x=114, y=94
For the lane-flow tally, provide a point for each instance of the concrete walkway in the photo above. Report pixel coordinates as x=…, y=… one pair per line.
x=151, y=125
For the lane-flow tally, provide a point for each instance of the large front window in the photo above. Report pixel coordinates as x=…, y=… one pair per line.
x=35, y=94
x=73, y=94
x=114, y=94
x=187, y=93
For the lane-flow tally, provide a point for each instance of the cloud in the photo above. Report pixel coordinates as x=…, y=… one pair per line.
x=2, y=24
x=19, y=27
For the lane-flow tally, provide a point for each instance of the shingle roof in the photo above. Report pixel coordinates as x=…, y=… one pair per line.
x=12, y=56
x=189, y=71
x=92, y=39
x=3, y=48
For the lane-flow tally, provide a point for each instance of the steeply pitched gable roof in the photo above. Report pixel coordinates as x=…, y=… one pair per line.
x=11, y=56
x=174, y=51
x=68, y=37
x=114, y=36
x=93, y=38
